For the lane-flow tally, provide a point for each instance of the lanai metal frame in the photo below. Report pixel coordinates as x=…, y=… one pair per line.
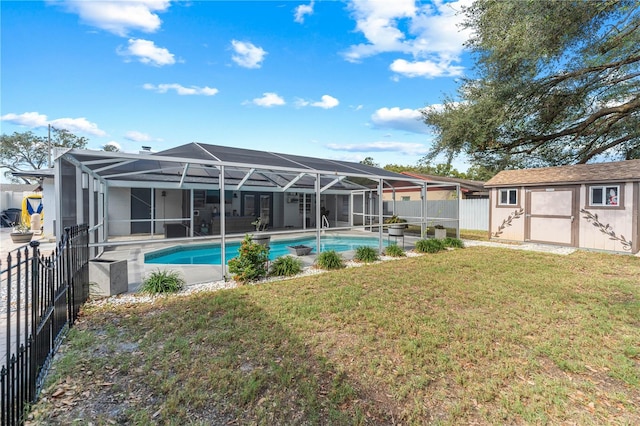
x=84, y=178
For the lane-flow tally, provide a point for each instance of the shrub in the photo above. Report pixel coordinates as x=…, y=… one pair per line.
x=394, y=250
x=251, y=262
x=366, y=254
x=453, y=242
x=395, y=219
x=330, y=259
x=431, y=245
x=286, y=266
x=162, y=282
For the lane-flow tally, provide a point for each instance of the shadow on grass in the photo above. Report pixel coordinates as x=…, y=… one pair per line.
x=200, y=359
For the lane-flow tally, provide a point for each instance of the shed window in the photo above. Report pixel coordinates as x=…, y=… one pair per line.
x=604, y=195
x=509, y=197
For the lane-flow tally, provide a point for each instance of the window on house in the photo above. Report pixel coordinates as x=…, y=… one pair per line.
x=604, y=195
x=406, y=198
x=509, y=197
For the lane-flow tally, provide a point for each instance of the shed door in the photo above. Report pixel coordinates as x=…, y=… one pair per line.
x=551, y=216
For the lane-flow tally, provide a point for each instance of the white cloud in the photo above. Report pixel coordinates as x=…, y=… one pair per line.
x=148, y=53
x=181, y=90
x=301, y=11
x=405, y=148
x=119, y=17
x=36, y=120
x=409, y=120
x=27, y=119
x=378, y=22
x=268, y=100
x=326, y=102
x=135, y=136
x=430, y=34
x=80, y=125
x=425, y=68
x=247, y=55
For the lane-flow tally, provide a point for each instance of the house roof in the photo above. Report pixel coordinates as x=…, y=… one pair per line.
x=466, y=185
x=201, y=164
x=18, y=187
x=618, y=171
x=39, y=173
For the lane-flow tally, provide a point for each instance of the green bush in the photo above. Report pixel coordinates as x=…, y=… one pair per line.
x=286, y=266
x=394, y=250
x=162, y=282
x=431, y=245
x=251, y=262
x=330, y=259
x=366, y=254
x=453, y=242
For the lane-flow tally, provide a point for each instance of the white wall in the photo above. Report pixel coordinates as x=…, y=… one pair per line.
x=49, y=206
x=168, y=208
x=119, y=211
x=614, y=224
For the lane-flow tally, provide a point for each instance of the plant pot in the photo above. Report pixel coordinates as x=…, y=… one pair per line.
x=299, y=250
x=109, y=277
x=441, y=234
x=396, y=230
x=21, y=237
x=263, y=239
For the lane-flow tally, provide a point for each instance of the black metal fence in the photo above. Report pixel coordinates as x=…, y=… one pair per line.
x=43, y=296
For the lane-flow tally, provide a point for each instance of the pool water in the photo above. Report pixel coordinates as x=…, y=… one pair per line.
x=209, y=254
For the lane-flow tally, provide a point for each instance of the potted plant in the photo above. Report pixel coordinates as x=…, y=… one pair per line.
x=396, y=226
x=260, y=237
x=21, y=233
x=441, y=232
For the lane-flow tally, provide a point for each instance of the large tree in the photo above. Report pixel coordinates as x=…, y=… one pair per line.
x=27, y=151
x=556, y=82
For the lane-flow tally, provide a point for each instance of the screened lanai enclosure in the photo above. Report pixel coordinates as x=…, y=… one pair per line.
x=209, y=192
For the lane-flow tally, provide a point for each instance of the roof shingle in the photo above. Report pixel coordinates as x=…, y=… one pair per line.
x=628, y=170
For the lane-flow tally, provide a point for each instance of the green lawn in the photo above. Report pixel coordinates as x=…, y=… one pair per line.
x=471, y=336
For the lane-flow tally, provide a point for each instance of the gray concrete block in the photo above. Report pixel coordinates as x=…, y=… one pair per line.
x=108, y=277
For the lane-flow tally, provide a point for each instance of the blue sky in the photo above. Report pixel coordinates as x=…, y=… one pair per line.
x=331, y=79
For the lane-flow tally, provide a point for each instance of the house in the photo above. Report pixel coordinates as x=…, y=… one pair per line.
x=46, y=188
x=11, y=199
x=440, y=188
x=217, y=192
x=590, y=206
x=11, y=194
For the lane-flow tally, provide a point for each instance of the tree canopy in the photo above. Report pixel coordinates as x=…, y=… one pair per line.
x=556, y=82
x=27, y=151
x=478, y=173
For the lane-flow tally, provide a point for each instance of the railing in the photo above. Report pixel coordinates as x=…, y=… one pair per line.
x=43, y=299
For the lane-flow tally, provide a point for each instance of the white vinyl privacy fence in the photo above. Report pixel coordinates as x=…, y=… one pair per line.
x=474, y=213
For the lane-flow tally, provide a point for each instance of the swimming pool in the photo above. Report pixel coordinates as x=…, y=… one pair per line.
x=209, y=254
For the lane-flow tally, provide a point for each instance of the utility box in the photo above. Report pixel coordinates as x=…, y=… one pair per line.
x=108, y=277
